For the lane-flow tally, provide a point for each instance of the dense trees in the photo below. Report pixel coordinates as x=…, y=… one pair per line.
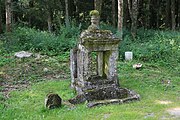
x=51, y=14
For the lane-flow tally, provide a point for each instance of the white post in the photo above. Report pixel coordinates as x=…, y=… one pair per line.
x=128, y=55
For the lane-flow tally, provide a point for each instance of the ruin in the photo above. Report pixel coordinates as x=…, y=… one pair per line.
x=94, y=68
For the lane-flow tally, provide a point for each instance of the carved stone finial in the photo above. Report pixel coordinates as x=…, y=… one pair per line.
x=94, y=20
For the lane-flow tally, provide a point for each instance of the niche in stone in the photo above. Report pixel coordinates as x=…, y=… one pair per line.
x=93, y=67
x=99, y=66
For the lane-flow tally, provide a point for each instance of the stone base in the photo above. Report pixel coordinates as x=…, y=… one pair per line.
x=105, y=95
x=95, y=83
x=132, y=96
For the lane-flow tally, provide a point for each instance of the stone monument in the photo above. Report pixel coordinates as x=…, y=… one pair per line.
x=98, y=85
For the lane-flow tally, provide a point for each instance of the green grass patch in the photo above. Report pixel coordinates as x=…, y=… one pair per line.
x=158, y=51
x=28, y=104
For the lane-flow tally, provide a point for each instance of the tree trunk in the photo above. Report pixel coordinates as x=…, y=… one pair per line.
x=1, y=29
x=49, y=21
x=133, y=10
x=98, y=5
x=8, y=15
x=125, y=13
x=153, y=15
x=167, y=13
x=157, y=13
x=173, y=22
x=77, y=10
x=114, y=12
x=67, y=14
x=31, y=5
x=120, y=16
x=148, y=14
x=178, y=14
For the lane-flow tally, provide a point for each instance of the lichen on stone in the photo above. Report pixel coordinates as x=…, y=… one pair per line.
x=93, y=27
x=97, y=34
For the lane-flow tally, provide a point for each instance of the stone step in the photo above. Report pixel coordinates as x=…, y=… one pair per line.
x=105, y=92
x=98, y=80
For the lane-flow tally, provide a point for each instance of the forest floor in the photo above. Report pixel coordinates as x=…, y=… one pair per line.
x=26, y=82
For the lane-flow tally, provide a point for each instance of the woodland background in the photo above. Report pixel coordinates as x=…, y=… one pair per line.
x=52, y=14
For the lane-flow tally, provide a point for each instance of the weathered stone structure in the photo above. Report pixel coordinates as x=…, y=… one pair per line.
x=99, y=82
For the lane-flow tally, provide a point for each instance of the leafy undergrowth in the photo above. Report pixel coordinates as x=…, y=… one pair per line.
x=149, y=82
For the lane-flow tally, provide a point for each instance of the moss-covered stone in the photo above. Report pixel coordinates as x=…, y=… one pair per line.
x=104, y=85
x=94, y=13
x=97, y=34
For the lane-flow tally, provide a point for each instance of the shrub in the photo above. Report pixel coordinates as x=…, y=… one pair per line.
x=152, y=45
x=41, y=41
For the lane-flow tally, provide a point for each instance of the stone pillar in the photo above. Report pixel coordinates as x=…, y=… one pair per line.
x=73, y=66
x=86, y=65
x=83, y=65
x=100, y=64
x=106, y=63
x=79, y=84
x=80, y=66
x=112, y=64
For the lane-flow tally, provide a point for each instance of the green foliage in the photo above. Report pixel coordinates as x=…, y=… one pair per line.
x=4, y=57
x=151, y=45
x=42, y=41
x=4, y=60
x=105, y=26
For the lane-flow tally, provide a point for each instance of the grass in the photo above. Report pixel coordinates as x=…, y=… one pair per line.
x=28, y=103
x=158, y=51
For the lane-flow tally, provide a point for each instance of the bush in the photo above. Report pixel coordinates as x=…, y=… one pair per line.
x=41, y=41
x=152, y=45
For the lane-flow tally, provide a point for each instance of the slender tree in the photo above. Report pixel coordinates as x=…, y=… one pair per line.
x=114, y=13
x=77, y=10
x=1, y=29
x=67, y=14
x=147, y=19
x=49, y=20
x=31, y=5
x=173, y=22
x=120, y=16
x=168, y=13
x=8, y=16
x=133, y=10
x=157, y=13
x=178, y=14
